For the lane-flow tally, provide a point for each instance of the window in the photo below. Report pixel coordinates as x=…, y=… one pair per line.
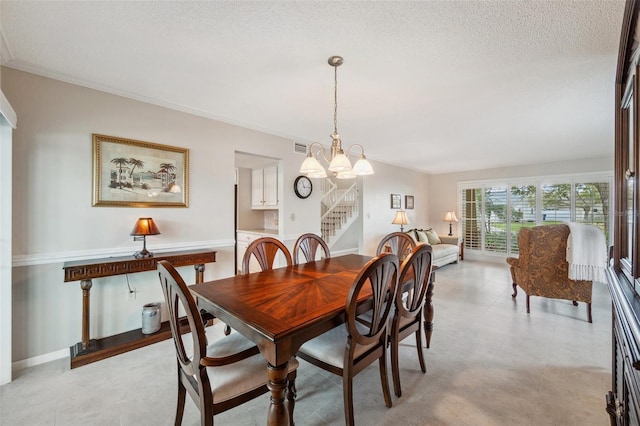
x=493, y=214
x=495, y=219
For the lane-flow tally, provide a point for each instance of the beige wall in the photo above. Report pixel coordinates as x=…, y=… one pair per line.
x=53, y=219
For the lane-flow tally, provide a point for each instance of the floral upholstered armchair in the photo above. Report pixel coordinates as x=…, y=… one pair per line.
x=542, y=268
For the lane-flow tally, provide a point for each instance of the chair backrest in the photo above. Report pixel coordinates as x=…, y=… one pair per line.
x=415, y=273
x=265, y=250
x=177, y=295
x=398, y=243
x=380, y=275
x=308, y=244
x=541, y=246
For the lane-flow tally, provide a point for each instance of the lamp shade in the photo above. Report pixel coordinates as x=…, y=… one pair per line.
x=340, y=163
x=363, y=167
x=401, y=218
x=450, y=217
x=145, y=226
x=311, y=165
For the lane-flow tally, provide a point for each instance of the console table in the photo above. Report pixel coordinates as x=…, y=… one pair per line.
x=90, y=350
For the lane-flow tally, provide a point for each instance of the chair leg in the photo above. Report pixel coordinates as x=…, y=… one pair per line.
x=182, y=393
x=227, y=330
x=423, y=366
x=347, y=394
x=292, y=393
x=528, y=310
x=515, y=289
x=395, y=365
x=575, y=303
x=589, y=312
x=384, y=378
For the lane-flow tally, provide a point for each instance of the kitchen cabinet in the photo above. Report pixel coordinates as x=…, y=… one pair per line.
x=264, y=188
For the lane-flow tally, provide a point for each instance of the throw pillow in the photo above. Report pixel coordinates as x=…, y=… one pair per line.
x=422, y=236
x=433, y=237
x=412, y=234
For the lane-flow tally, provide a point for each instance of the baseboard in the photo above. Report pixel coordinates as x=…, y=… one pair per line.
x=40, y=359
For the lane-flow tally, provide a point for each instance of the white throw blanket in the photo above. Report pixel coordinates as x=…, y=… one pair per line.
x=586, y=252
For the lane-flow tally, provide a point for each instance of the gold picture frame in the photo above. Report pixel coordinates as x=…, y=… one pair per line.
x=131, y=173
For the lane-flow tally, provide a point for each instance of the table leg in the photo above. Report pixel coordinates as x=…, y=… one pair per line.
x=85, y=285
x=428, y=311
x=199, y=273
x=278, y=414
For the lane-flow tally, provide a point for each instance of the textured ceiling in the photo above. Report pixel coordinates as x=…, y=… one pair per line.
x=434, y=86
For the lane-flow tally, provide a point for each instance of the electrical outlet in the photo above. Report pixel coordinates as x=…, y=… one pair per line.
x=132, y=294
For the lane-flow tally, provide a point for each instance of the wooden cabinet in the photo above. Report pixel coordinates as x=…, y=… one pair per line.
x=264, y=188
x=623, y=274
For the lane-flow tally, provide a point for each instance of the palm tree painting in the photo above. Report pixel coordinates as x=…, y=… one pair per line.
x=135, y=163
x=120, y=162
x=167, y=176
x=138, y=174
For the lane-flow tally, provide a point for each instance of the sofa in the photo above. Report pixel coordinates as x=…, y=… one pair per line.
x=446, y=249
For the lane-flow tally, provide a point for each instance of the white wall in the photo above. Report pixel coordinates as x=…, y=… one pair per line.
x=444, y=187
x=53, y=219
x=376, y=202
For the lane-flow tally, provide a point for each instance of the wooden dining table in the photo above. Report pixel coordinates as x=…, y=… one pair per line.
x=280, y=309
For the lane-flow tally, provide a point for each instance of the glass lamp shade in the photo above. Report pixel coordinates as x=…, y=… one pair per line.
x=363, y=167
x=145, y=226
x=311, y=165
x=450, y=217
x=401, y=218
x=320, y=174
x=340, y=162
x=346, y=174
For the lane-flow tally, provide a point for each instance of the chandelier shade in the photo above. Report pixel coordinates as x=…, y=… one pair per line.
x=338, y=162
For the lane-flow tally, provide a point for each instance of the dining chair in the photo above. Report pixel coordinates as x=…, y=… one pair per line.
x=217, y=376
x=397, y=243
x=347, y=349
x=264, y=250
x=309, y=244
x=415, y=274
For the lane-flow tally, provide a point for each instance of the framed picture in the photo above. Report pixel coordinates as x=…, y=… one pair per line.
x=129, y=173
x=396, y=201
x=408, y=202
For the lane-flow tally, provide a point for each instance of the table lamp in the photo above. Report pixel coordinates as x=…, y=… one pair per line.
x=401, y=219
x=450, y=217
x=143, y=227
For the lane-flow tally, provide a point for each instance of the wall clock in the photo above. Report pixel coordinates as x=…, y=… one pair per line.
x=302, y=186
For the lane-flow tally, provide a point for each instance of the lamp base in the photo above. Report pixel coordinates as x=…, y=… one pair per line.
x=450, y=229
x=142, y=254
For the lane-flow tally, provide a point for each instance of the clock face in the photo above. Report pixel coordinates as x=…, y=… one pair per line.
x=302, y=186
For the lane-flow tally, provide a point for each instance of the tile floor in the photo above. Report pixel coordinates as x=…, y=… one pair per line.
x=489, y=364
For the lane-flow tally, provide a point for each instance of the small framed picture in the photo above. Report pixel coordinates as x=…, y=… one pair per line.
x=396, y=201
x=408, y=202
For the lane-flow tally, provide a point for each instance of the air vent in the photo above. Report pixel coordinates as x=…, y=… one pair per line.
x=300, y=148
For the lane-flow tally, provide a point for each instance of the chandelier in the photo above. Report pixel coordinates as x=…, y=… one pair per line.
x=339, y=163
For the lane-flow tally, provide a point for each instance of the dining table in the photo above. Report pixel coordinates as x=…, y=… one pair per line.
x=280, y=309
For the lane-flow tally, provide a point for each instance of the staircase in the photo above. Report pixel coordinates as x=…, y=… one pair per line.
x=340, y=209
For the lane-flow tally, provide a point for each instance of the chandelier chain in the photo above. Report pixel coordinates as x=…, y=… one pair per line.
x=335, y=99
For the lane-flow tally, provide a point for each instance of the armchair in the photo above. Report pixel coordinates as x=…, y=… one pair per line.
x=542, y=268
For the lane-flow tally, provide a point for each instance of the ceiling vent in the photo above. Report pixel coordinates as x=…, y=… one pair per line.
x=299, y=148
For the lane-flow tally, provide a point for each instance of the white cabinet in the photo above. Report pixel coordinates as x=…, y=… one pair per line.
x=264, y=188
